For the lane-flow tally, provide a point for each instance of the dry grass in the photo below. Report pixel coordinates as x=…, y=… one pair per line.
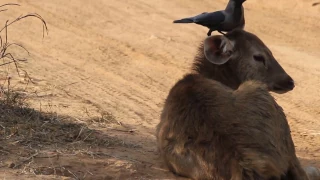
x=31, y=140
x=34, y=130
x=8, y=95
x=5, y=45
x=27, y=134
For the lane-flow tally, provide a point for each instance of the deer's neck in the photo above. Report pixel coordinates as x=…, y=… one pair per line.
x=224, y=74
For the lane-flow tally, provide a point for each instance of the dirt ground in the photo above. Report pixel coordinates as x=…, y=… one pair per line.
x=105, y=69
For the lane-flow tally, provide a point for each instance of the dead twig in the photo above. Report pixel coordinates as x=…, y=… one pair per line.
x=24, y=161
x=120, y=130
x=87, y=136
x=45, y=27
x=52, y=156
x=315, y=4
x=79, y=133
x=75, y=176
x=5, y=45
x=8, y=4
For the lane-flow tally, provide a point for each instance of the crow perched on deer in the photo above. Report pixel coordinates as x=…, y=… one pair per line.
x=226, y=20
x=220, y=121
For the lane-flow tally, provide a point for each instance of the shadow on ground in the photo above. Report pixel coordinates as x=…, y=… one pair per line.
x=39, y=143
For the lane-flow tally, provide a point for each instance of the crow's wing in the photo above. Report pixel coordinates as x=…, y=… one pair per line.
x=209, y=19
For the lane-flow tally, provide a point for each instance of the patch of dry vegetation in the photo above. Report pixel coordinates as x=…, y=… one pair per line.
x=32, y=131
x=27, y=135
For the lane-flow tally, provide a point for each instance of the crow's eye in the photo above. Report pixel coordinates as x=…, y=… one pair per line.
x=259, y=58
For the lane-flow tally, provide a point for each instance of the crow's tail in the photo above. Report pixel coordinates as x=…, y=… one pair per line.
x=185, y=20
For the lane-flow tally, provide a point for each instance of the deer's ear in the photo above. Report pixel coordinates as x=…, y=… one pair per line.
x=218, y=49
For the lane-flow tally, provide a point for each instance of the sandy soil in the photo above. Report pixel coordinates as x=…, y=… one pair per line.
x=120, y=58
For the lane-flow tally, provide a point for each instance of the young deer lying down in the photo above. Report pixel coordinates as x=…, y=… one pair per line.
x=220, y=122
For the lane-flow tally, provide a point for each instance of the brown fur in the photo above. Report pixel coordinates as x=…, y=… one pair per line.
x=221, y=122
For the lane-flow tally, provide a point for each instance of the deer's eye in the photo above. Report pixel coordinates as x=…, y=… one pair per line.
x=259, y=58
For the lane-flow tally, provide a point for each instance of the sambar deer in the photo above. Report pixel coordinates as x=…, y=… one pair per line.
x=220, y=122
